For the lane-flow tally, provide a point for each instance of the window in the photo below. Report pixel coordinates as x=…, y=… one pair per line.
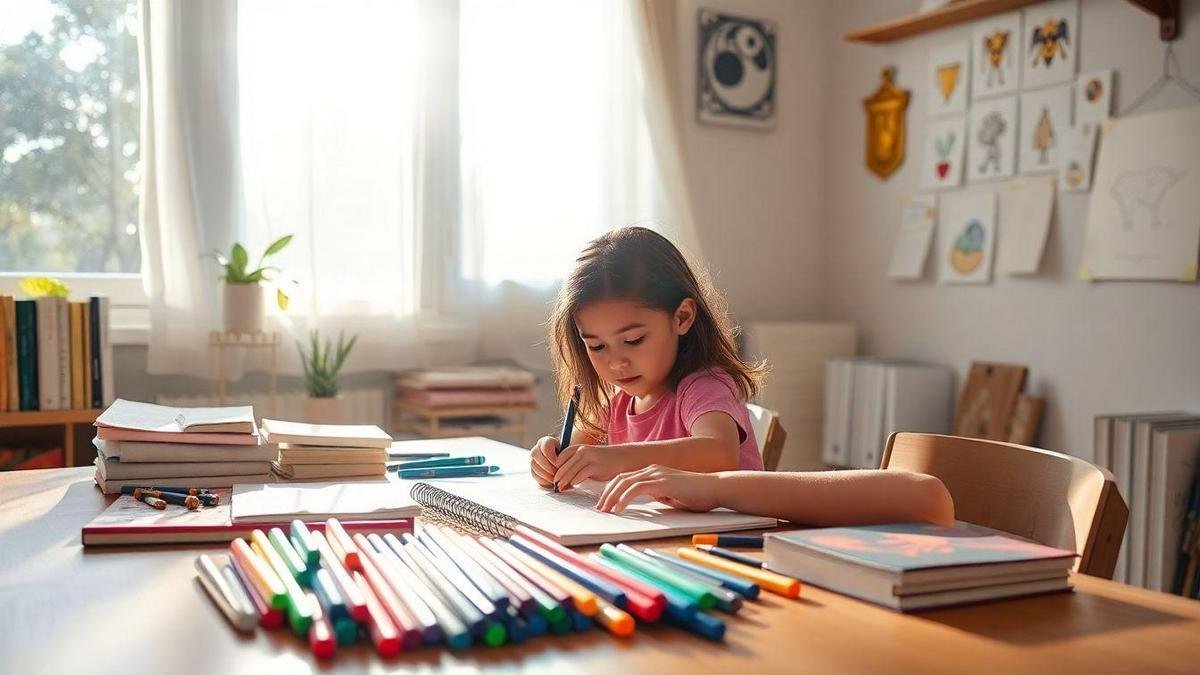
x=69, y=125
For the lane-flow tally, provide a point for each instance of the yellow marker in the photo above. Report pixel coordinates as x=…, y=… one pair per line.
x=585, y=600
x=617, y=621
x=776, y=583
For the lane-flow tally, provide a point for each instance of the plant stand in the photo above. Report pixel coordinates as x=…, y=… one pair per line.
x=219, y=342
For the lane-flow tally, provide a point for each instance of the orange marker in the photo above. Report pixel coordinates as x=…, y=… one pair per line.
x=585, y=600
x=776, y=583
x=260, y=574
x=320, y=633
x=618, y=622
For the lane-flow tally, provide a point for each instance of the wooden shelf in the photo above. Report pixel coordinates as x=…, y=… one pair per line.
x=462, y=411
x=951, y=14
x=37, y=418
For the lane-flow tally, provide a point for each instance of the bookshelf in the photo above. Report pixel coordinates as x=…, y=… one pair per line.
x=38, y=422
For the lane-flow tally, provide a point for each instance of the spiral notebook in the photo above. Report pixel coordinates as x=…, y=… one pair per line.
x=499, y=504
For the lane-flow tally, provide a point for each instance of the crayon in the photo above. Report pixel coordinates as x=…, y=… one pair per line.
x=320, y=635
x=442, y=462
x=356, y=604
x=383, y=632
x=747, y=589
x=191, y=502
x=616, y=621
x=269, y=617
x=776, y=583
x=731, y=555
x=259, y=572
x=581, y=622
x=230, y=598
x=149, y=500
x=729, y=540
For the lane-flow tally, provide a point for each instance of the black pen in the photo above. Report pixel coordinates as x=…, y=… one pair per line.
x=564, y=439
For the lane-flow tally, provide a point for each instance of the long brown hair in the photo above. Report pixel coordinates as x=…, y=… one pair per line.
x=634, y=263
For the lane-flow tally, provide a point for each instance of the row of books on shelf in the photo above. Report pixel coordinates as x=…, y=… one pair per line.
x=1155, y=461
x=867, y=399
x=466, y=386
x=55, y=354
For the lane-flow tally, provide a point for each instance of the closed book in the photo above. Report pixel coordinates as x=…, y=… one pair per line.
x=878, y=563
x=463, y=398
x=9, y=307
x=76, y=310
x=27, y=354
x=311, y=454
x=62, y=345
x=1174, y=475
x=113, y=486
x=132, y=452
x=107, y=382
x=3, y=355
x=323, y=471
x=47, y=361
x=94, y=327
x=463, y=377
x=1140, y=522
x=329, y=435
x=112, y=468
x=129, y=521
x=88, y=351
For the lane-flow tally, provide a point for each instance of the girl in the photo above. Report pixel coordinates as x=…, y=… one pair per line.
x=662, y=388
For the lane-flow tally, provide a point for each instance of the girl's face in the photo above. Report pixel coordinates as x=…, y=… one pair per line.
x=633, y=346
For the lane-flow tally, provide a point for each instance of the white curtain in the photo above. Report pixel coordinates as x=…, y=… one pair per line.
x=189, y=189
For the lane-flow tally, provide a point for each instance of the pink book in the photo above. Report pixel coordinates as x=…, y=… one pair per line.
x=450, y=398
x=117, y=434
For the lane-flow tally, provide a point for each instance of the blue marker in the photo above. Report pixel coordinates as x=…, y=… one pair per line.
x=445, y=461
x=448, y=472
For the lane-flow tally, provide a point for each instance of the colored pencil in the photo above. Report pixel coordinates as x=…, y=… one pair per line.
x=747, y=589
x=299, y=614
x=677, y=603
x=727, y=600
x=415, y=616
x=476, y=575
x=326, y=592
x=616, y=621
x=303, y=542
x=288, y=554
x=462, y=607
x=729, y=540
x=448, y=472
x=776, y=583
x=736, y=557
x=568, y=427
x=517, y=592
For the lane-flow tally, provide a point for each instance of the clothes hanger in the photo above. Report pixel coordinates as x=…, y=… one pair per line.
x=1171, y=72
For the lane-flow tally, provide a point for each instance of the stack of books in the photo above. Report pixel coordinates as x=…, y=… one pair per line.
x=154, y=445
x=54, y=354
x=315, y=451
x=466, y=387
x=915, y=566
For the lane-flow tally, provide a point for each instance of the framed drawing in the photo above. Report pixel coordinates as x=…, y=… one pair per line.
x=1045, y=118
x=992, y=145
x=1050, y=44
x=736, y=70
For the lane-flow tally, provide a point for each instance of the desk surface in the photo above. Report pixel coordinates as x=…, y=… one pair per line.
x=103, y=610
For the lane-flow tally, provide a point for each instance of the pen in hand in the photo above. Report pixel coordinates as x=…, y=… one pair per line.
x=564, y=439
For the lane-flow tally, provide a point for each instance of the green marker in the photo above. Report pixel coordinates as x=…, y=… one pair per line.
x=703, y=598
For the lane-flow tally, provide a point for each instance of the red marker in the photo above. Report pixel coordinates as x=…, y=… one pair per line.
x=383, y=632
x=341, y=543
x=356, y=603
x=320, y=634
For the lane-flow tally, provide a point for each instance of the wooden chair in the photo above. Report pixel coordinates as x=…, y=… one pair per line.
x=768, y=433
x=1048, y=497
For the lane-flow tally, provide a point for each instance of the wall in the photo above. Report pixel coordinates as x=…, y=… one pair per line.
x=1091, y=348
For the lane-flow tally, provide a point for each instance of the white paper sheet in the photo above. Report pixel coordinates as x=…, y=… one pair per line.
x=1025, y=212
x=911, y=246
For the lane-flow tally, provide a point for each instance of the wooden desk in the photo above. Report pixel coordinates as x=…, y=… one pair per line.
x=129, y=609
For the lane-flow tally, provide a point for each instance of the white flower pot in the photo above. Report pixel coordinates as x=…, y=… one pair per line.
x=243, y=308
x=335, y=410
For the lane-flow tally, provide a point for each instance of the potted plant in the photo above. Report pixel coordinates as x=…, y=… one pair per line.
x=321, y=367
x=242, y=308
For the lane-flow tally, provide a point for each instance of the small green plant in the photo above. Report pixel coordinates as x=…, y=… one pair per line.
x=39, y=287
x=236, y=263
x=321, y=366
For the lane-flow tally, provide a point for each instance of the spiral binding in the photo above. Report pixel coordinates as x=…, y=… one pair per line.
x=462, y=510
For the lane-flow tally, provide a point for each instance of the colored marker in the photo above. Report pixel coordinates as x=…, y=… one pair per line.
x=410, y=632
x=289, y=555
x=747, y=589
x=303, y=541
x=643, y=601
x=728, y=540
x=617, y=622
x=298, y=612
x=580, y=622
x=268, y=617
x=454, y=631
x=383, y=632
x=514, y=623
x=320, y=635
x=731, y=555
x=394, y=572
x=346, y=630
x=704, y=625
x=677, y=603
x=440, y=463
x=564, y=438
x=448, y=472
x=449, y=570
x=776, y=583
x=534, y=622
x=339, y=540
x=483, y=579
x=327, y=593
x=699, y=594
x=229, y=597
x=450, y=595
x=259, y=572
x=550, y=598
x=727, y=600
x=356, y=604
x=517, y=592
x=589, y=581
x=583, y=600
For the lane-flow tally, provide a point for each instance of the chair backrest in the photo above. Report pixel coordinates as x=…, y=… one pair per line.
x=1048, y=497
x=768, y=433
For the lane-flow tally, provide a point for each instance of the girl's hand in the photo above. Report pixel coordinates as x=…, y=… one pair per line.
x=583, y=462
x=673, y=487
x=543, y=461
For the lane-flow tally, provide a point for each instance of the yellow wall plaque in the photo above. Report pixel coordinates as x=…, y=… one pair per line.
x=886, y=125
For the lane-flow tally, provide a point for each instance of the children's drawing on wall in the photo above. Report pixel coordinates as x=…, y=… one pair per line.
x=993, y=139
x=1093, y=96
x=1045, y=116
x=1051, y=35
x=945, y=140
x=949, y=77
x=966, y=237
x=995, y=55
x=1077, y=156
x=736, y=73
x=911, y=246
x=1143, y=220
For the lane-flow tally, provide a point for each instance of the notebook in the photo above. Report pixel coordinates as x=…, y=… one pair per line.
x=129, y=521
x=136, y=416
x=498, y=504
x=910, y=566
x=337, y=435
x=379, y=499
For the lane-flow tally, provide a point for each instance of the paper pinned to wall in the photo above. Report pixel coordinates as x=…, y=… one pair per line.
x=1025, y=213
x=1077, y=157
x=949, y=78
x=1144, y=214
x=911, y=246
x=966, y=237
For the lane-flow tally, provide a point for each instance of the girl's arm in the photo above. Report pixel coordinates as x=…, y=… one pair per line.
x=827, y=498
x=713, y=446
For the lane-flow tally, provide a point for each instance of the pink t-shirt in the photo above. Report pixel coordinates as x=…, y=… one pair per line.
x=672, y=415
